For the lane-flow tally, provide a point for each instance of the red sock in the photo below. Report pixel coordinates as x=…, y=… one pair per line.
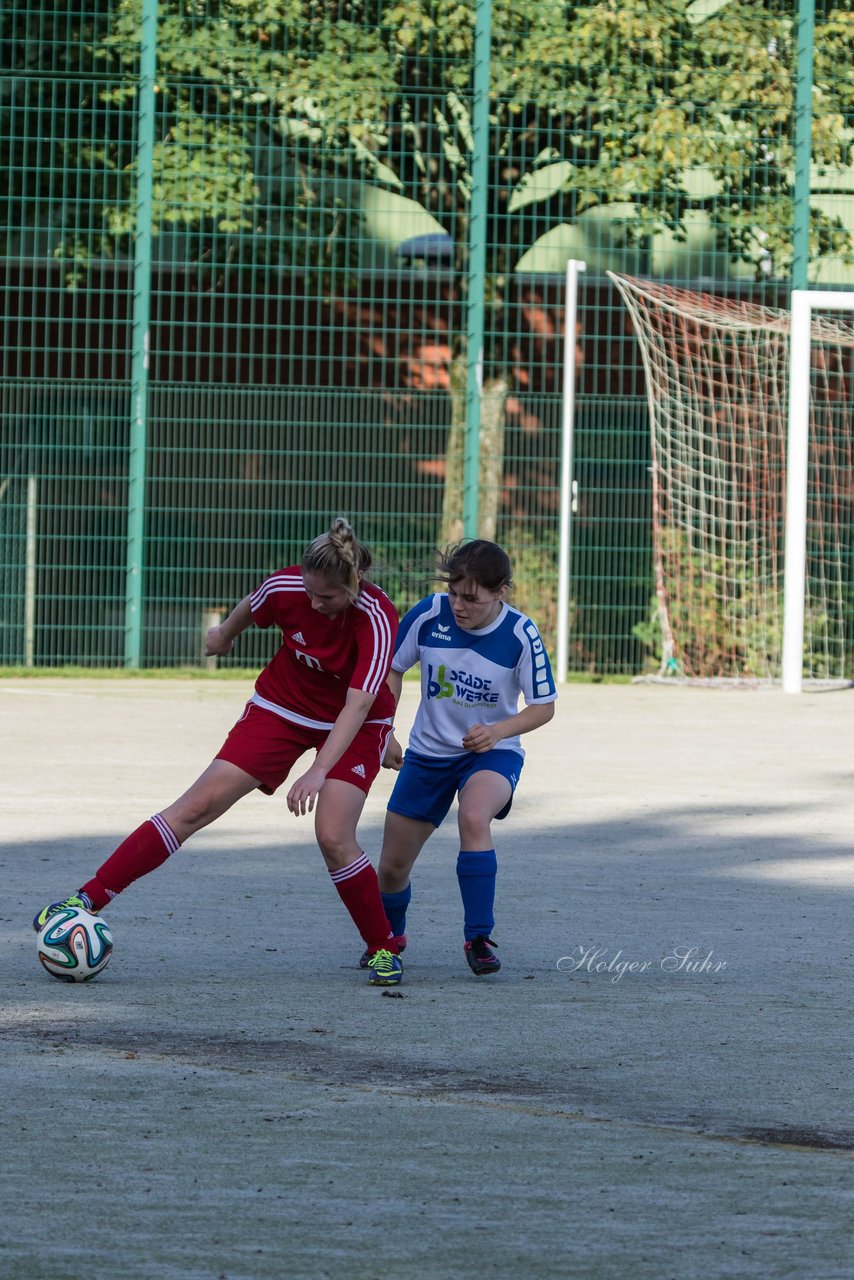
x=143, y=851
x=359, y=889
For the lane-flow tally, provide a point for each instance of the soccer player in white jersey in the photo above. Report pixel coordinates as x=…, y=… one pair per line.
x=324, y=689
x=478, y=656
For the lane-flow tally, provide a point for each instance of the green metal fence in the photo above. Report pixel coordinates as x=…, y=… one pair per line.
x=269, y=260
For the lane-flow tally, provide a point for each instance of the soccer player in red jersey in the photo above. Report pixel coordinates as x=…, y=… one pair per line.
x=325, y=688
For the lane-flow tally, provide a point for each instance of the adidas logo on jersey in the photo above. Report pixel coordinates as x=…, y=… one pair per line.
x=298, y=637
x=358, y=768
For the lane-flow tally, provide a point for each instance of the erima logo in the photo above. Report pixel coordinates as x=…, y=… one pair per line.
x=358, y=768
x=440, y=634
x=299, y=637
x=447, y=628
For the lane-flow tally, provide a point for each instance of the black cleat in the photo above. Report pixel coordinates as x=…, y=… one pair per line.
x=482, y=959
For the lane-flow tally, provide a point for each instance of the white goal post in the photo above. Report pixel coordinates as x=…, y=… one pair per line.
x=804, y=303
x=570, y=338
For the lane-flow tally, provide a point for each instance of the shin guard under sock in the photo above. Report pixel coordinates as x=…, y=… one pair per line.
x=395, y=908
x=476, y=870
x=144, y=850
x=359, y=890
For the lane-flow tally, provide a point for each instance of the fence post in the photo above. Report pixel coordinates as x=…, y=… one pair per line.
x=140, y=335
x=476, y=264
x=30, y=558
x=803, y=145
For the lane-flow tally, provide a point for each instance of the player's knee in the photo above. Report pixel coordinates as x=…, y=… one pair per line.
x=475, y=830
x=190, y=814
x=337, y=850
x=393, y=871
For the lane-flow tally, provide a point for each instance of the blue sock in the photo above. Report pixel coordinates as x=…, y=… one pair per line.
x=395, y=908
x=476, y=873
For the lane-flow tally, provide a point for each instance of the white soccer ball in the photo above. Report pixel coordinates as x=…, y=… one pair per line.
x=74, y=945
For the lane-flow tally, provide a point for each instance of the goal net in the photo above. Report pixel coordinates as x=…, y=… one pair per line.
x=717, y=376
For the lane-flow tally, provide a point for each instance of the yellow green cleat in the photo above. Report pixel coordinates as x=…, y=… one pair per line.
x=386, y=969
x=81, y=901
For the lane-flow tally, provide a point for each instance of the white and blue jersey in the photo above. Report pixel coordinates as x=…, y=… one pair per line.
x=470, y=677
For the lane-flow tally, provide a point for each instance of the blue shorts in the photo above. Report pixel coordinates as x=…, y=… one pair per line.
x=426, y=786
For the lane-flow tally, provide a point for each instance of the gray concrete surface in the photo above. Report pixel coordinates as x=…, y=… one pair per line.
x=229, y=1099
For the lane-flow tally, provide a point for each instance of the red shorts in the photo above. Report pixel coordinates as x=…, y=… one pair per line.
x=266, y=746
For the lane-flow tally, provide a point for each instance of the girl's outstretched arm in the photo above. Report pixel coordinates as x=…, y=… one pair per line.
x=483, y=737
x=220, y=639
x=393, y=758
x=348, y=722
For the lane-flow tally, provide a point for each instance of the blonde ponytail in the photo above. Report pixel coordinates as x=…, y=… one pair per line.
x=338, y=556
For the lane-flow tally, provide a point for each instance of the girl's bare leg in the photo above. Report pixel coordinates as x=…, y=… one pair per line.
x=485, y=794
x=403, y=840
x=212, y=794
x=339, y=807
x=336, y=816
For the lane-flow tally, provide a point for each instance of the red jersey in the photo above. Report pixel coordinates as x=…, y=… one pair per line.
x=322, y=657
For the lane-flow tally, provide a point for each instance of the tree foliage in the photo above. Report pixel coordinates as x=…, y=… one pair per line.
x=269, y=111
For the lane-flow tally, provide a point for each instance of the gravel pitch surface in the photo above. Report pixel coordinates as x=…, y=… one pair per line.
x=657, y=1086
